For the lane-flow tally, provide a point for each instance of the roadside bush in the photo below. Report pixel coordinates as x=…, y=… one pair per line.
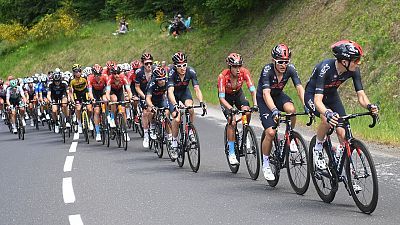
x=12, y=32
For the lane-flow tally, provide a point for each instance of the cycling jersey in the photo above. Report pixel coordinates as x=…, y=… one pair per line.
x=41, y=88
x=157, y=93
x=269, y=80
x=180, y=85
x=142, y=79
x=3, y=91
x=14, y=93
x=79, y=84
x=30, y=91
x=325, y=79
x=225, y=85
x=58, y=91
x=97, y=85
x=112, y=84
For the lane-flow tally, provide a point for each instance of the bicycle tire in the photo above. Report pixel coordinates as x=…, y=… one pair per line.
x=328, y=176
x=85, y=126
x=62, y=126
x=124, y=134
x=160, y=142
x=118, y=131
x=140, y=128
x=107, y=136
x=274, y=161
x=252, y=153
x=193, y=150
x=233, y=168
x=359, y=159
x=181, y=151
x=164, y=25
x=298, y=161
x=102, y=128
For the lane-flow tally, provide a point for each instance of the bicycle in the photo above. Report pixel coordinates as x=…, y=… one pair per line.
x=103, y=125
x=85, y=121
x=161, y=124
x=294, y=160
x=62, y=120
x=357, y=163
x=121, y=130
x=251, y=152
x=19, y=124
x=191, y=145
x=166, y=25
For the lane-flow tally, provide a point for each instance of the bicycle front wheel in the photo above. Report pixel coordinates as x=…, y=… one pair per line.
x=361, y=177
x=181, y=151
x=85, y=126
x=325, y=181
x=233, y=168
x=252, y=152
x=159, y=147
x=193, y=149
x=296, y=165
x=124, y=133
x=274, y=161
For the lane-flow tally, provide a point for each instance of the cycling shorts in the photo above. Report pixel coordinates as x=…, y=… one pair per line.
x=331, y=101
x=238, y=99
x=266, y=114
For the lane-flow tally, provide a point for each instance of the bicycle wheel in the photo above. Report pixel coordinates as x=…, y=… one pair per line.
x=325, y=181
x=85, y=126
x=296, y=165
x=124, y=133
x=233, y=168
x=159, y=147
x=168, y=144
x=118, y=131
x=62, y=126
x=164, y=26
x=181, y=150
x=251, y=152
x=193, y=149
x=361, y=177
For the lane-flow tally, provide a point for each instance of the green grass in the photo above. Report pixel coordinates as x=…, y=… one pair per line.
x=308, y=27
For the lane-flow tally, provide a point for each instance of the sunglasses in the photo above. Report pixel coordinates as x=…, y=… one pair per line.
x=77, y=71
x=282, y=62
x=160, y=78
x=184, y=65
x=148, y=63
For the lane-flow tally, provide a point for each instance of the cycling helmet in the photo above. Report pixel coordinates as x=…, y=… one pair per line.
x=57, y=70
x=35, y=79
x=11, y=77
x=43, y=78
x=77, y=68
x=87, y=71
x=281, y=51
x=146, y=57
x=347, y=50
x=57, y=76
x=179, y=16
x=159, y=73
x=67, y=73
x=115, y=69
x=136, y=64
x=234, y=59
x=29, y=80
x=13, y=83
x=97, y=70
x=110, y=63
x=156, y=63
x=1, y=82
x=179, y=57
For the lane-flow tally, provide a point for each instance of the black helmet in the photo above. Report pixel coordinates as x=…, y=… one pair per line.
x=57, y=76
x=179, y=57
x=347, y=50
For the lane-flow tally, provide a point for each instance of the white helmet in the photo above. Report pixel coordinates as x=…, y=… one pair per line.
x=87, y=71
x=57, y=70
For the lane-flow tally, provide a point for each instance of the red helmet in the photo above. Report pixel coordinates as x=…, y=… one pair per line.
x=179, y=58
x=110, y=63
x=136, y=64
x=146, y=56
x=281, y=51
x=159, y=73
x=347, y=50
x=1, y=81
x=97, y=69
x=11, y=77
x=234, y=59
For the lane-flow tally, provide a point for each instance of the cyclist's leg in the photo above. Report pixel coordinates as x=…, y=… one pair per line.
x=187, y=99
x=230, y=131
x=285, y=102
x=336, y=105
x=243, y=104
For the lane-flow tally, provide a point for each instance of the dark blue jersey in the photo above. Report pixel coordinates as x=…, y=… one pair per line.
x=156, y=91
x=141, y=78
x=325, y=79
x=181, y=85
x=269, y=80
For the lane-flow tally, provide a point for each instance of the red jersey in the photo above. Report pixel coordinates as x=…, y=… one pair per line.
x=131, y=76
x=97, y=85
x=105, y=71
x=114, y=85
x=225, y=84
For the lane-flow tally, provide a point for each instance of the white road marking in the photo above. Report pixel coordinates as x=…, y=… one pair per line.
x=68, y=190
x=73, y=146
x=76, y=136
x=75, y=219
x=68, y=163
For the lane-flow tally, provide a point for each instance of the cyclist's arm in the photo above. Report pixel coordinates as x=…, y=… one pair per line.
x=221, y=92
x=148, y=101
x=363, y=99
x=300, y=92
x=250, y=86
x=8, y=96
x=139, y=91
x=49, y=95
x=171, y=96
x=199, y=95
x=296, y=82
x=127, y=87
x=268, y=99
x=319, y=105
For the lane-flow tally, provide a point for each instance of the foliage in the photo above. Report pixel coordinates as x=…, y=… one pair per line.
x=12, y=32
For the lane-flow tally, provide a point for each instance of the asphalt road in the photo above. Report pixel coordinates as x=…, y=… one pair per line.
x=111, y=186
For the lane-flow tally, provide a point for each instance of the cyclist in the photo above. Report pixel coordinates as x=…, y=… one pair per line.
x=79, y=94
x=323, y=98
x=30, y=94
x=15, y=97
x=135, y=64
x=97, y=83
x=3, y=91
x=230, y=93
x=272, y=100
x=155, y=96
x=143, y=76
x=109, y=65
x=179, y=77
x=41, y=92
x=117, y=85
x=58, y=92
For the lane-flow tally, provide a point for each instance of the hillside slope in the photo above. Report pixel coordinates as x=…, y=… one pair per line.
x=309, y=27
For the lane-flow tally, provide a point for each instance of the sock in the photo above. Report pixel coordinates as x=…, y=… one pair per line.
x=111, y=115
x=146, y=133
x=97, y=127
x=231, y=145
x=319, y=145
x=79, y=123
x=265, y=160
x=174, y=142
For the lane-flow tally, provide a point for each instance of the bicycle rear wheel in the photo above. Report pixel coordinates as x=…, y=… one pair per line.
x=251, y=152
x=361, y=177
x=159, y=146
x=118, y=131
x=233, y=168
x=124, y=133
x=274, y=161
x=325, y=181
x=193, y=149
x=85, y=126
x=62, y=126
x=181, y=150
x=296, y=165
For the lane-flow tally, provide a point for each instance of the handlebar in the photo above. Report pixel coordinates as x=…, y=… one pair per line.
x=288, y=115
x=345, y=119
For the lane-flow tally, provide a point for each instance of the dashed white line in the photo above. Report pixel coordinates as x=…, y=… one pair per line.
x=73, y=146
x=68, y=190
x=76, y=136
x=68, y=163
x=75, y=219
